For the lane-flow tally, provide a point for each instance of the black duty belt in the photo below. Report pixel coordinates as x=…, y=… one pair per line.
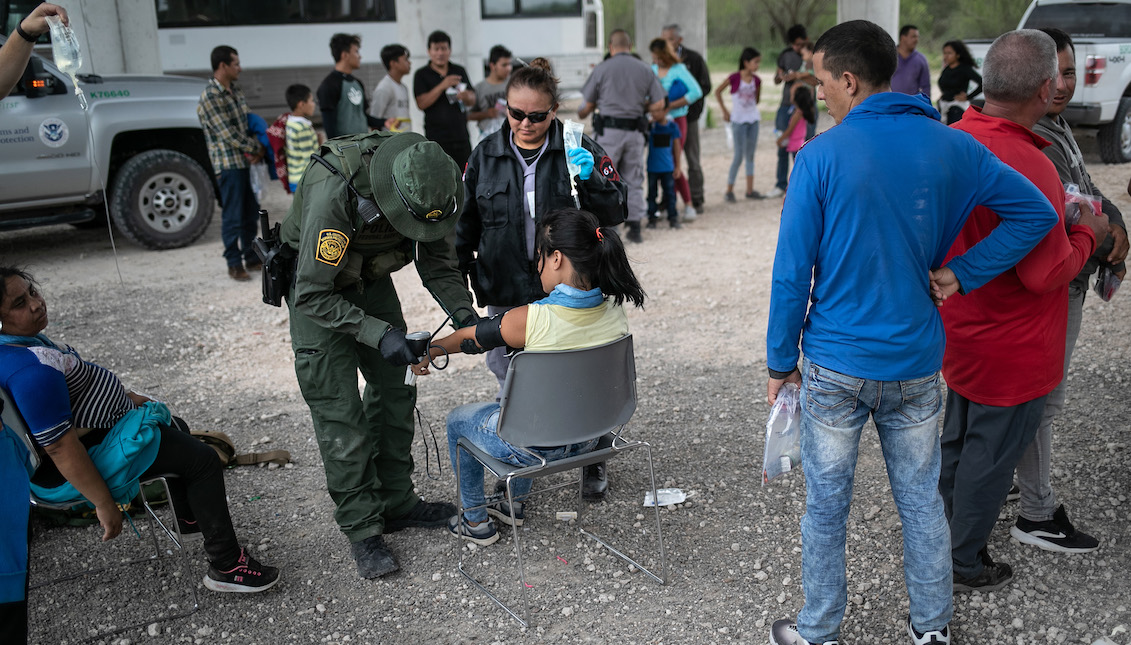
x=618, y=123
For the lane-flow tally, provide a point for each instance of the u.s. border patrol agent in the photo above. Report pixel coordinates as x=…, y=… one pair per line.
x=345, y=316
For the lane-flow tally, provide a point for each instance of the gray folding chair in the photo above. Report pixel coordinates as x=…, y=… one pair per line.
x=559, y=398
x=14, y=420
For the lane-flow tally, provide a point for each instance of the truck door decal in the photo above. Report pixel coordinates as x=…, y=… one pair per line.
x=54, y=132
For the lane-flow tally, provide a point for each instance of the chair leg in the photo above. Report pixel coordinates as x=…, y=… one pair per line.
x=518, y=554
x=659, y=534
x=521, y=620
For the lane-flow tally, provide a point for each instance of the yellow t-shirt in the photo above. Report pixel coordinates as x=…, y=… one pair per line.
x=554, y=327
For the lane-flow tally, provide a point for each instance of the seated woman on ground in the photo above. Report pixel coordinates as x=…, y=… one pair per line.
x=72, y=406
x=584, y=269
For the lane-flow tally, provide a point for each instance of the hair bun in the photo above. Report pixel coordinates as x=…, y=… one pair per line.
x=542, y=63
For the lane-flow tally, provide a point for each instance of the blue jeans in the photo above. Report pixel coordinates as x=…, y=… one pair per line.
x=239, y=216
x=478, y=422
x=834, y=409
x=781, y=122
x=745, y=142
x=666, y=185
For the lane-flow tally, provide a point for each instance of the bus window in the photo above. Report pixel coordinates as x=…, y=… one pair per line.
x=530, y=8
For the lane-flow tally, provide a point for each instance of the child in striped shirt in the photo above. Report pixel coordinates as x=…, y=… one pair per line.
x=302, y=141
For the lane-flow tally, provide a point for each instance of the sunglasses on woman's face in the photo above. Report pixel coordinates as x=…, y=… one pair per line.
x=535, y=117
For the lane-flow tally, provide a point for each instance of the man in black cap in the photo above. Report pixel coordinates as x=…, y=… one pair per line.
x=369, y=205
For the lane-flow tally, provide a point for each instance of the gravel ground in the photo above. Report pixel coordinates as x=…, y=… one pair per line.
x=177, y=327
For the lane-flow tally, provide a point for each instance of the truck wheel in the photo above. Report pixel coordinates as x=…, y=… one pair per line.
x=1114, y=138
x=162, y=199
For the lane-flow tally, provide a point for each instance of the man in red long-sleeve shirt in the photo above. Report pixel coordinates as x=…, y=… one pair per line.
x=1005, y=341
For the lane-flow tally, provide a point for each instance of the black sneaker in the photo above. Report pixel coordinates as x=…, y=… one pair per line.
x=934, y=637
x=483, y=533
x=651, y=222
x=373, y=558
x=247, y=576
x=425, y=515
x=992, y=577
x=784, y=632
x=501, y=511
x=1056, y=534
x=1014, y=493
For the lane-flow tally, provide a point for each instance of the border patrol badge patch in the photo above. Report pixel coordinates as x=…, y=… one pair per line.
x=331, y=246
x=608, y=170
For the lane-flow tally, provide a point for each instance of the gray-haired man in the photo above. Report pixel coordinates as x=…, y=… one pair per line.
x=1005, y=341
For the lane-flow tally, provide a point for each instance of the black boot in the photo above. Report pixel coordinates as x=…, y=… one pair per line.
x=373, y=558
x=633, y=232
x=594, y=482
x=425, y=515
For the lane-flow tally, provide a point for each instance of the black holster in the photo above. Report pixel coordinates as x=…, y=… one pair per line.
x=598, y=124
x=278, y=263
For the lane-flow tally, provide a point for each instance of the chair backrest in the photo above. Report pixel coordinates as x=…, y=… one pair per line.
x=14, y=420
x=563, y=397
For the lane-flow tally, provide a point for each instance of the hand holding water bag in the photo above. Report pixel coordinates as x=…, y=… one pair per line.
x=571, y=132
x=65, y=50
x=581, y=159
x=783, y=434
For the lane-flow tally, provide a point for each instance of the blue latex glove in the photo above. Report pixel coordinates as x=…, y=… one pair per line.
x=583, y=159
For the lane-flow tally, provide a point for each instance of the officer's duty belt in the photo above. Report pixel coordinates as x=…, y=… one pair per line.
x=618, y=123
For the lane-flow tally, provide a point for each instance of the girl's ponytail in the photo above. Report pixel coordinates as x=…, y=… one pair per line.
x=596, y=253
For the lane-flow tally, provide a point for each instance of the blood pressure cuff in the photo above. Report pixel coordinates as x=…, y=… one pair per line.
x=489, y=332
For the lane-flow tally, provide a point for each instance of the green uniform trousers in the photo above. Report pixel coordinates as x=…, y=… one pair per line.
x=365, y=440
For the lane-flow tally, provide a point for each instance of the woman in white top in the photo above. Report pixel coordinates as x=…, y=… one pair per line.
x=744, y=117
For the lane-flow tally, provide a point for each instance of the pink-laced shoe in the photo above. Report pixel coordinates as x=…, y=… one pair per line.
x=247, y=576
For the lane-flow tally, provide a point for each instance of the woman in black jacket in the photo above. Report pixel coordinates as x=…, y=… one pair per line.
x=514, y=177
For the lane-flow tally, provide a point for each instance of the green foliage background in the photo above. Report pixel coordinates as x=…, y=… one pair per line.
x=734, y=24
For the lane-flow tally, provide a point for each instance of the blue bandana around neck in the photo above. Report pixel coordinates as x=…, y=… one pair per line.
x=572, y=297
x=38, y=340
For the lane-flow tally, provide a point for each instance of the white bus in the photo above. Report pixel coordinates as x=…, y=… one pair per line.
x=287, y=41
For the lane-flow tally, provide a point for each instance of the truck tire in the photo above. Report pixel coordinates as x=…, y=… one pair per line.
x=1114, y=139
x=162, y=199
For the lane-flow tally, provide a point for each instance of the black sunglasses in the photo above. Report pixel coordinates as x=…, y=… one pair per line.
x=535, y=117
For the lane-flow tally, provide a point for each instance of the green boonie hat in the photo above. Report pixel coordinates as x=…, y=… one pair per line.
x=417, y=186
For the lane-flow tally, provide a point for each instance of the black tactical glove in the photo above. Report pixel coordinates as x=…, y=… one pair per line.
x=468, y=346
x=394, y=348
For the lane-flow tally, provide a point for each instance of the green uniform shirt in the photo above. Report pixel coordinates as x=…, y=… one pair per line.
x=336, y=251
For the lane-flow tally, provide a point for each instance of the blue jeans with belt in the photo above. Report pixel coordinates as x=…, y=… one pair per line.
x=478, y=423
x=834, y=408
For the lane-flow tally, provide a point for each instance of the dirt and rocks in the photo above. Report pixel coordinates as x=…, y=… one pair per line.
x=175, y=326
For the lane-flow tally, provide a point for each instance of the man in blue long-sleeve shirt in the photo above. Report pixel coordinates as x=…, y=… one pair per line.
x=873, y=207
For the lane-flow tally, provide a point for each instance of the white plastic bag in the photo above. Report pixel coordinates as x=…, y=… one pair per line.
x=783, y=434
x=259, y=179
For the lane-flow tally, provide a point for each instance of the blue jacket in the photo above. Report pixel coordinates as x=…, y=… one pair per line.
x=127, y=451
x=873, y=205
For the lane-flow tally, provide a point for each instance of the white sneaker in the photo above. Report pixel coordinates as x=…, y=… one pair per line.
x=938, y=637
x=776, y=192
x=689, y=214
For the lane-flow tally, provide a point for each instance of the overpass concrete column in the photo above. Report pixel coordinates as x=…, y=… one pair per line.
x=652, y=15
x=117, y=37
x=884, y=13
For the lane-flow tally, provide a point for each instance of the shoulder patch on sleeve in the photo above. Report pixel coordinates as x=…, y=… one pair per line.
x=607, y=169
x=331, y=246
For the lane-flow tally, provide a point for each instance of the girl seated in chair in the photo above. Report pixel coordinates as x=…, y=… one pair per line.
x=586, y=273
x=71, y=406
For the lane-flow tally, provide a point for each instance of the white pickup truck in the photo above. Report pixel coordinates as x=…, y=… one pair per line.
x=1101, y=33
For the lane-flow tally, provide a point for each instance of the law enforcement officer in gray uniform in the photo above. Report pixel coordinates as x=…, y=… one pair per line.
x=623, y=89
